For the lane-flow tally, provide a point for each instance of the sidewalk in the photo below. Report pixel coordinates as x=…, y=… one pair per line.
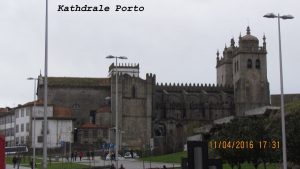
x=127, y=163
x=9, y=166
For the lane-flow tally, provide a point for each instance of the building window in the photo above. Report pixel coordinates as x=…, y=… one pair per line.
x=249, y=64
x=27, y=139
x=2, y=120
x=237, y=66
x=17, y=114
x=22, y=112
x=8, y=119
x=17, y=141
x=22, y=127
x=22, y=140
x=27, y=127
x=17, y=128
x=40, y=139
x=75, y=106
x=257, y=64
x=12, y=131
x=27, y=111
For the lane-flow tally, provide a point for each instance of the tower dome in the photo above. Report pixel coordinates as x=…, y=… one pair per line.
x=248, y=36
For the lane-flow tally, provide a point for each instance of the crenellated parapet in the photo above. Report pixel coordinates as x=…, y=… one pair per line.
x=124, y=65
x=132, y=69
x=151, y=78
x=150, y=75
x=193, y=87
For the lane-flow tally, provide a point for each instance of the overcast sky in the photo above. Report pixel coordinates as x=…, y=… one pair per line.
x=175, y=39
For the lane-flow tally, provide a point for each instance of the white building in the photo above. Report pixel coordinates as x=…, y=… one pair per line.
x=59, y=130
x=29, y=125
x=7, y=126
x=23, y=121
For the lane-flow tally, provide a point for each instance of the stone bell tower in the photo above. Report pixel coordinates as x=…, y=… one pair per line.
x=249, y=65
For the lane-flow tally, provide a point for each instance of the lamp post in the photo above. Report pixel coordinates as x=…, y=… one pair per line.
x=70, y=151
x=33, y=115
x=271, y=15
x=45, y=91
x=117, y=124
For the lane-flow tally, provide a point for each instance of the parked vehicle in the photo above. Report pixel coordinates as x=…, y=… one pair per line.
x=108, y=157
x=128, y=155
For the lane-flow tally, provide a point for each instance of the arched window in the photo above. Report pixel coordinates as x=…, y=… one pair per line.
x=257, y=64
x=133, y=92
x=249, y=64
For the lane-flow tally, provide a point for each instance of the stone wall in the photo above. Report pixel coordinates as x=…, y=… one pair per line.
x=178, y=109
x=82, y=100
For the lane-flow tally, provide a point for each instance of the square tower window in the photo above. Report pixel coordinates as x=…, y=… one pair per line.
x=257, y=64
x=249, y=64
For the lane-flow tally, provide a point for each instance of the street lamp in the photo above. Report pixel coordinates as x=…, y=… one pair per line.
x=45, y=91
x=271, y=15
x=70, y=151
x=117, y=125
x=33, y=115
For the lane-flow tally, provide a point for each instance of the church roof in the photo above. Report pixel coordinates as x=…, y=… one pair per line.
x=4, y=110
x=77, y=82
x=38, y=102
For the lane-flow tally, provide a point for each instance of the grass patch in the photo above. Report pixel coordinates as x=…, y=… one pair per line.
x=54, y=165
x=293, y=106
x=24, y=160
x=64, y=166
x=250, y=166
x=176, y=158
x=168, y=158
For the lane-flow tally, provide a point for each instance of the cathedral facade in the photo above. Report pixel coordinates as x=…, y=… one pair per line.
x=167, y=113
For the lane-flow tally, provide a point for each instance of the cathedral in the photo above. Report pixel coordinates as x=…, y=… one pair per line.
x=167, y=113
